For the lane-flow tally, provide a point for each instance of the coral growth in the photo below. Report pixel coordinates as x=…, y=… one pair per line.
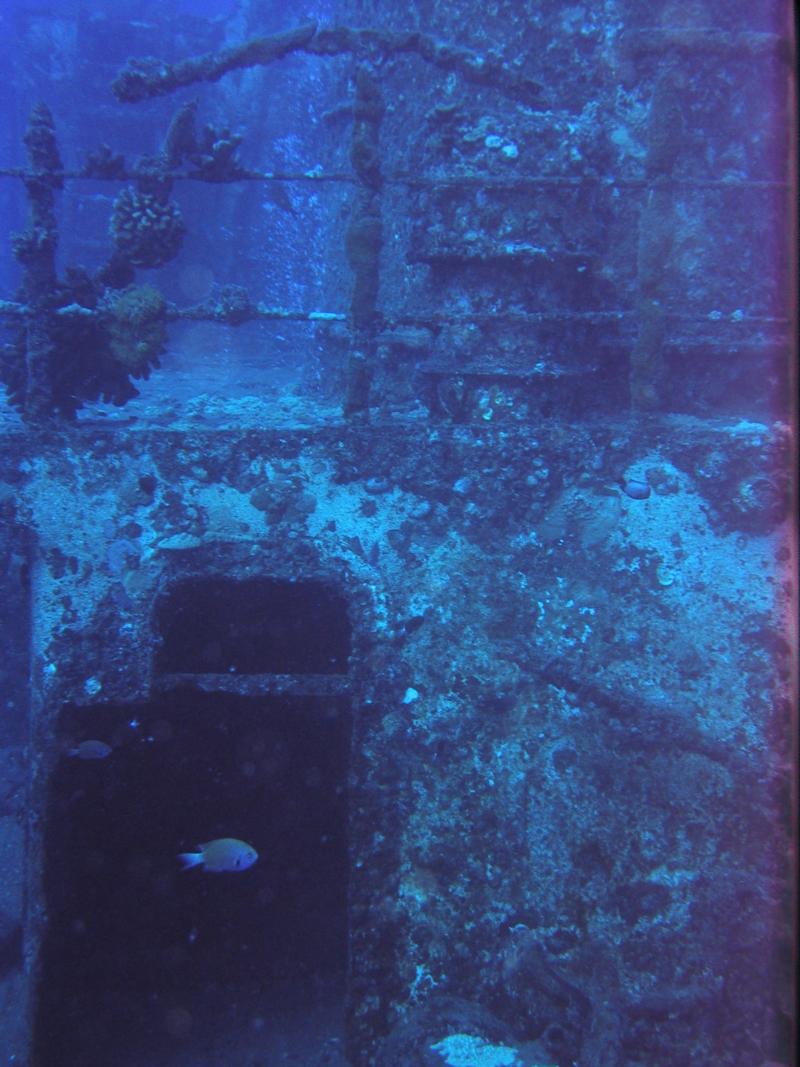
x=148, y=231
x=135, y=326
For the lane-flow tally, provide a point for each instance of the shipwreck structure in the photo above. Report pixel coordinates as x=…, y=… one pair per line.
x=483, y=645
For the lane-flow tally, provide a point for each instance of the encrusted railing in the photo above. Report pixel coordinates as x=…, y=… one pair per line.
x=81, y=338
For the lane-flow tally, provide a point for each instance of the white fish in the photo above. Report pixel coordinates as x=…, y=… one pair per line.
x=222, y=854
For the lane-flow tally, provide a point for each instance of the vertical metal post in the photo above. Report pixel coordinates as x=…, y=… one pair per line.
x=363, y=242
x=36, y=250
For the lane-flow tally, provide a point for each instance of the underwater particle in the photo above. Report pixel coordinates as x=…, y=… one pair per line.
x=221, y=854
x=411, y=694
x=91, y=749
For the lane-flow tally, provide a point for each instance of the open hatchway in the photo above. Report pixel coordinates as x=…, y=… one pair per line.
x=146, y=962
x=258, y=626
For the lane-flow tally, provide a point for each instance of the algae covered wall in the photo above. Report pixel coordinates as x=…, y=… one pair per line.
x=568, y=704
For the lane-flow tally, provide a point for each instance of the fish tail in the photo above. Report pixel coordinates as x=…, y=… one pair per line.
x=190, y=859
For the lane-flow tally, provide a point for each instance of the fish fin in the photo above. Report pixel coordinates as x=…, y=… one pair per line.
x=190, y=859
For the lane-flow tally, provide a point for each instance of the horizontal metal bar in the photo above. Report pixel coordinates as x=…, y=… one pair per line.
x=261, y=311
x=521, y=181
x=313, y=175
x=527, y=180
x=200, y=313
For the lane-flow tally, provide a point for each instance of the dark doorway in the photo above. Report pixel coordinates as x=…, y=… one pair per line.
x=258, y=626
x=145, y=962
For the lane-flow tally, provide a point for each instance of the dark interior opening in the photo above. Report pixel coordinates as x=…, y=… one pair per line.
x=259, y=626
x=144, y=962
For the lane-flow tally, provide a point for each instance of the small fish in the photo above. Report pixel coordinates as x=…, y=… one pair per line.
x=90, y=750
x=222, y=854
x=635, y=488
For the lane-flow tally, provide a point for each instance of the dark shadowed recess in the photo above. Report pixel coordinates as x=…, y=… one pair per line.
x=259, y=626
x=144, y=962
